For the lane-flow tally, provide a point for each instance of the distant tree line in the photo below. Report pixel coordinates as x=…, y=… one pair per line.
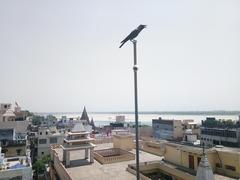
x=224, y=123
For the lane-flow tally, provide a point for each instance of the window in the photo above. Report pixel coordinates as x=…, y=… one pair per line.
x=231, y=168
x=42, y=141
x=42, y=153
x=198, y=160
x=191, y=161
x=40, y=133
x=18, y=151
x=218, y=165
x=53, y=140
x=46, y=133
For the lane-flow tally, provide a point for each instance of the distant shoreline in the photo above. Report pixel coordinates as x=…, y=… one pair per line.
x=208, y=113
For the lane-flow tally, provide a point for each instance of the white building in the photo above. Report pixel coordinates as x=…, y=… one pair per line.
x=46, y=137
x=9, y=114
x=120, y=119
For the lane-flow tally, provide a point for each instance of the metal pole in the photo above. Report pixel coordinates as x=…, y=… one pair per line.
x=135, y=68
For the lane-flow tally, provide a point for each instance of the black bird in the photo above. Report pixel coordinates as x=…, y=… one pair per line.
x=133, y=34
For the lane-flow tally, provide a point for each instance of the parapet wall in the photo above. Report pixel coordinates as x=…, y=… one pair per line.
x=58, y=166
x=103, y=140
x=107, y=156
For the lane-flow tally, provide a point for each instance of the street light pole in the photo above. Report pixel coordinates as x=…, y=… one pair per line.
x=135, y=69
x=132, y=37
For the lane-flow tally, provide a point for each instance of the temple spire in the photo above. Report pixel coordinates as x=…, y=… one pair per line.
x=85, y=115
x=204, y=170
x=92, y=124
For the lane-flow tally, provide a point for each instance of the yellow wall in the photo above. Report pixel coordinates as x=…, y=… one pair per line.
x=172, y=154
x=232, y=159
x=12, y=151
x=123, y=142
x=178, y=156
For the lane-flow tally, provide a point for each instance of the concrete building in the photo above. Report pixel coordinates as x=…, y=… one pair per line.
x=120, y=119
x=47, y=137
x=187, y=162
x=3, y=108
x=9, y=114
x=15, y=168
x=123, y=139
x=167, y=129
x=222, y=160
x=12, y=145
x=190, y=137
x=20, y=127
x=181, y=161
x=215, y=132
x=116, y=169
x=190, y=124
x=65, y=123
x=49, y=121
x=145, y=132
x=13, y=137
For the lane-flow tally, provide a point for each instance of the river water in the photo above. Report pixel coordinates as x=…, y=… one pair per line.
x=101, y=119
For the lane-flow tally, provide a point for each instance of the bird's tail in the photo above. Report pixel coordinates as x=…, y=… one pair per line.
x=122, y=44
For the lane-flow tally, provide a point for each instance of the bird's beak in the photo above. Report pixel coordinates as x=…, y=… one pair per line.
x=144, y=26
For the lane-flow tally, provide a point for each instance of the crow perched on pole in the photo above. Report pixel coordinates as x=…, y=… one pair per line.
x=133, y=34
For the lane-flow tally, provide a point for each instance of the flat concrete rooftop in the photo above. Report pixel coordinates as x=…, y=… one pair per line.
x=82, y=170
x=99, y=171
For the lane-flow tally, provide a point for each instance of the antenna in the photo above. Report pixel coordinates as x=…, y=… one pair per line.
x=203, y=149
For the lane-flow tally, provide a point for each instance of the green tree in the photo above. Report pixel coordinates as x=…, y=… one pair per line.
x=36, y=120
x=40, y=164
x=46, y=159
x=39, y=168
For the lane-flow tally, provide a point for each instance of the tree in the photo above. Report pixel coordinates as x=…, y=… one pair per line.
x=40, y=164
x=36, y=120
x=39, y=167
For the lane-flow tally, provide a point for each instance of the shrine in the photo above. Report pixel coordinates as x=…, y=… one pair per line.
x=78, y=139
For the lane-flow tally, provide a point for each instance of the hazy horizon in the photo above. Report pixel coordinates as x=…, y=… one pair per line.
x=57, y=56
x=151, y=112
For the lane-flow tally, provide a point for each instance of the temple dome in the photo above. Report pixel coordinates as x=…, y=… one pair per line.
x=204, y=170
x=9, y=113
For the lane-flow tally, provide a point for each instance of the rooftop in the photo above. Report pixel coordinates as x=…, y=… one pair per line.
x=99, y=171
x=198, y=149
x=15, y=163
x=19, y=126
x=187, y=147
x=164, y=166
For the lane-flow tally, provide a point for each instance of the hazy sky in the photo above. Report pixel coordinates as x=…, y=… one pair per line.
x=58, y=55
